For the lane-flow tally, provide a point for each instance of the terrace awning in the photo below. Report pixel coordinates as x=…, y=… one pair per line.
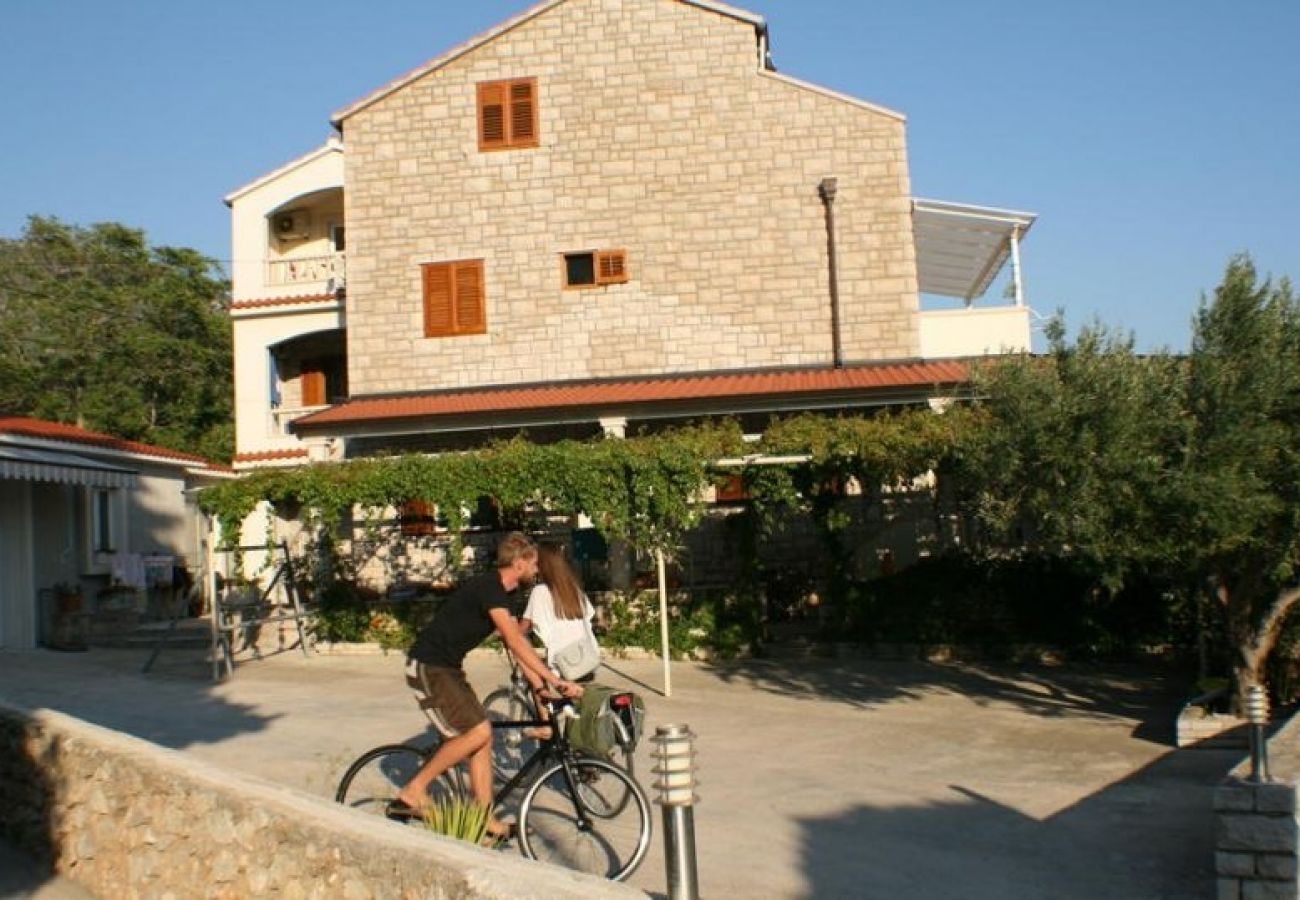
x=30, y=464
x=960, y=248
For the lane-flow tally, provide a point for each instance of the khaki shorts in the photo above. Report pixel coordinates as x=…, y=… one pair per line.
x=445, y=697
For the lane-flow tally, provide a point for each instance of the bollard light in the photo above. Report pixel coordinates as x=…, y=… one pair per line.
x=1257, y=716
x=674, y=757
x=1256, y=705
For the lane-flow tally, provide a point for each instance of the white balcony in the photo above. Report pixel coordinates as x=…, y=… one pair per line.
x=282, y=416
x=307, y=271
x=949, y=333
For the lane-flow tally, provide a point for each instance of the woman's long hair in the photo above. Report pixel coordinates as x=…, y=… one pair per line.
x=558, y=575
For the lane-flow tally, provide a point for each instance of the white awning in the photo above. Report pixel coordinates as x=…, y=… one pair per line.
x=960, y=249
x=29, y=464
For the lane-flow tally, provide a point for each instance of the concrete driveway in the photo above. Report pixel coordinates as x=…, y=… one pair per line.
x=817, y=778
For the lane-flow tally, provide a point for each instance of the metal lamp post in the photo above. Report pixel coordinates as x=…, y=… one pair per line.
x=1257, y=716
x=674, y=756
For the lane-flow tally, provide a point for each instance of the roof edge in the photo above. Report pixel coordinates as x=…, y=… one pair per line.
x=332, y=145
x=833, y=94
x=441, y=60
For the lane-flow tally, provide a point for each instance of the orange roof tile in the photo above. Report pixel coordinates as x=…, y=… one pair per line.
x=56, y=431
x=668, y=388
x=269, y=455
x=281, y=301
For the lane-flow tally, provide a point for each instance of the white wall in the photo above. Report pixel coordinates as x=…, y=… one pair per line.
x=952, y=333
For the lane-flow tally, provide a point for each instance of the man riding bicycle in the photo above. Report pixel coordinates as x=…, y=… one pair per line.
x=435, y=671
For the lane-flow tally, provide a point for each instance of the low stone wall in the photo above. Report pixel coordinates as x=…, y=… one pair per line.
x=125, y=818
x=1257, y=839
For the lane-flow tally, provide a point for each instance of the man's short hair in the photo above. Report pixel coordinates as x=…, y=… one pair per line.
x=513, y=546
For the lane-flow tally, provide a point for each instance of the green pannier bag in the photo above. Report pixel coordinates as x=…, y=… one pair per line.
x=608, y=719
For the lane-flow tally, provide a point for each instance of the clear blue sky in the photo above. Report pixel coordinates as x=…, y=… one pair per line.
x=1154, y=138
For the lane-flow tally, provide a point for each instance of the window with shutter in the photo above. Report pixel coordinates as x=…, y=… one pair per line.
x=507, y=114
x=454, y=300
x=418, y=517
x=595, y=267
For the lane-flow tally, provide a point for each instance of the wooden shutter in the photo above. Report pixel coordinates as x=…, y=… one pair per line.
x=313, y=385
x=471, y=318
x=611, y=267
x=492, y=102
x=454, y=300
x=523, y=113
x=507, y=114
x=438, y=304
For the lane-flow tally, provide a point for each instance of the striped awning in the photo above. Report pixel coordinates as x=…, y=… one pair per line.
x=31, y=464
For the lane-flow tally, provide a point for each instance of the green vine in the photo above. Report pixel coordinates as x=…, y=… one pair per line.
x=645, y=490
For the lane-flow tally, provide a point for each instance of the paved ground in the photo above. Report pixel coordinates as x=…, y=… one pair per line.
x=818, y=778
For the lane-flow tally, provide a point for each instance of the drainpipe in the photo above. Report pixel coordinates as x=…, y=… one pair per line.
x=827, y=189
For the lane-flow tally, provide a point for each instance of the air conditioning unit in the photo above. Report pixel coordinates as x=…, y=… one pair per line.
x=290, y=226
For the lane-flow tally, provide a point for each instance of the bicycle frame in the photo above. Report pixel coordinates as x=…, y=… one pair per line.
x=556, y=747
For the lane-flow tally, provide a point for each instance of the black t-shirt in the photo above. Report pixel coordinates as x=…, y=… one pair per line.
x=463, y=622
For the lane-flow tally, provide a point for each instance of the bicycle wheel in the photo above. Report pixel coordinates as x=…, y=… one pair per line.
x=372, y=782
x=511, y=748
x=611, y=845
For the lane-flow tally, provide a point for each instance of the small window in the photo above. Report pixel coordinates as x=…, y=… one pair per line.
x=418, y=517
x=595, y=267
x=101, y=521
x=507, y=114
x=454, y=303
x=338, y=238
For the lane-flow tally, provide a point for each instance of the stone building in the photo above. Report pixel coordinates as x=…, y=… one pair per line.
x=600, y=215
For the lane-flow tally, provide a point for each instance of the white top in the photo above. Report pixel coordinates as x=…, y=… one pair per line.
x=556, y=633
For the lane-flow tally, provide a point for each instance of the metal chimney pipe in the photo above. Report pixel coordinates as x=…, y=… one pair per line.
x=827, y=189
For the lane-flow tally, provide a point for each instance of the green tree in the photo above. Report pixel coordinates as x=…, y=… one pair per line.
x=1071, y=454
x=1186, y=468
x=99, y=329
x=1242, y=470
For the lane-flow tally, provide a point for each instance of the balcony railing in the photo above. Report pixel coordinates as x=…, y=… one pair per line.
x=307, y=270
x=281, y=417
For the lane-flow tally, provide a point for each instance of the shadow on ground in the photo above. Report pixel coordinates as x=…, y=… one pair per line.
x=1149, y=694
x=975, y=848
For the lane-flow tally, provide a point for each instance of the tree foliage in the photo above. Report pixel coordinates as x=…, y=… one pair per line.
x=1242, y=473
x=1075, y=452
x=102, y=330
x=1185, y=467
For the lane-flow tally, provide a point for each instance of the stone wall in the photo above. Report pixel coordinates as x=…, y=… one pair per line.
x=661, y=136
x=125, y=818
x=1257, y=841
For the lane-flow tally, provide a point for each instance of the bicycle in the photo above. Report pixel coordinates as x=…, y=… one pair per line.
x=516, y=703
x=576, y=811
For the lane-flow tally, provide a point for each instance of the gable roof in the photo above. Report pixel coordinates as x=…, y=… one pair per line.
x=41, y=430
x=759, y=23
x=695, y=394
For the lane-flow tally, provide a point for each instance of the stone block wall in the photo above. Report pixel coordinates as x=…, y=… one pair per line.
x=661, y=136
x=125, y=818
x=1257, y=838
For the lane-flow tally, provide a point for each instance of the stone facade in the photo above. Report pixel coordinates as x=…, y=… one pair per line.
x=124, y=818
x=661, y=136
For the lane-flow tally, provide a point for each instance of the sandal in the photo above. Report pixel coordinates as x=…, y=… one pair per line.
x=495, y=838
x=401, y=811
